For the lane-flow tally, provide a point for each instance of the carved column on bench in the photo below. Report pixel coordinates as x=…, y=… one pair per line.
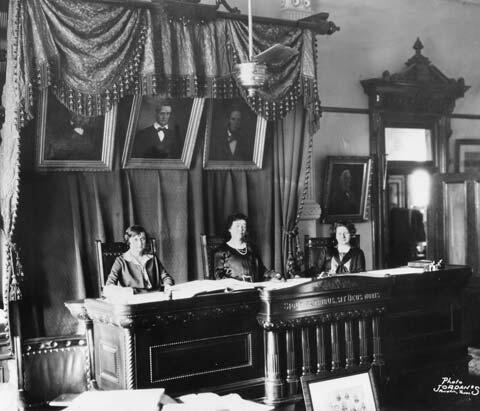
x=292, y=377
x=321, y=348
x=273, y=381
x=335, y=345
x=349, y=352
x=362, y=337
x=377, y=346
x=129, y=354
x=306, y=353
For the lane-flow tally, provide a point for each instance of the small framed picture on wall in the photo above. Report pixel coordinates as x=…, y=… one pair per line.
x=347, y=186
x=467, y=155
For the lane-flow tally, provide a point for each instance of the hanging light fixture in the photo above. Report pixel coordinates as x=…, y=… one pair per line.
x=251, y=75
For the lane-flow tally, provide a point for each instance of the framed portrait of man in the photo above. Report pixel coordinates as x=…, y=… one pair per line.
x=234, y=136
x=69, y=141
x=347, y=187
x=162, y=132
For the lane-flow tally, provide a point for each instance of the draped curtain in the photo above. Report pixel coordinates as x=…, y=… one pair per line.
x=92, y=55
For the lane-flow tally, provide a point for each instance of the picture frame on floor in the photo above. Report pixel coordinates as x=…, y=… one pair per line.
x=342, y=390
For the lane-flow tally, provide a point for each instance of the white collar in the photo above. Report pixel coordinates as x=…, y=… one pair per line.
x=131, y=259
x=157, y=126
x=79, y=130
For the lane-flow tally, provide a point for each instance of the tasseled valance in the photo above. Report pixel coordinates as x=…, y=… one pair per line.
x=93, y=54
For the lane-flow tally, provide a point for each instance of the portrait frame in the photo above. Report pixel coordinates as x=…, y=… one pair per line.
x=321, y=392
x=347, y=188
x=44, y=140
x=467, y=155
x=396, y=190
x=216, y=119
x=184, y=161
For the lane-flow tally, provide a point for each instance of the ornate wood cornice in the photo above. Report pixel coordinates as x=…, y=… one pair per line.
x=158, y=319
x=419, y=87
x=325, y=318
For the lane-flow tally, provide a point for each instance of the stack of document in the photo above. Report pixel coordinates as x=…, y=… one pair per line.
x=118, y=400
x=213, y=402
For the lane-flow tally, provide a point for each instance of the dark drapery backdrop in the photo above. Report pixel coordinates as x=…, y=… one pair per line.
x=61, y=214
x=76, y=49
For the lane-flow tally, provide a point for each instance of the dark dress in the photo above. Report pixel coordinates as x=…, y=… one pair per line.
x=329, y=261
x=128, y=273
x=229, y=263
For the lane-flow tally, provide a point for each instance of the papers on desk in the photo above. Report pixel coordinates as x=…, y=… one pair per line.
x=280, y=284
x=118, y=400
x=124, y=295
x=388, y=272
x=192, y=288
x=213, y=402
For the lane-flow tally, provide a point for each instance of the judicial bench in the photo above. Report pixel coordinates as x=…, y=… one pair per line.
x=408, y=326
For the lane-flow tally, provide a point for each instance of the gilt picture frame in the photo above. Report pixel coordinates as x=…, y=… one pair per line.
x=347, y=188
x=148, y=146
x=69, y=142
x=234, y=136
x=341, y=390
x=467, y=155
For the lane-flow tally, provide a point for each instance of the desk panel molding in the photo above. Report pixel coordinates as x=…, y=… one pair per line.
x=327, y=318
x=404, y=326
x=170, y=318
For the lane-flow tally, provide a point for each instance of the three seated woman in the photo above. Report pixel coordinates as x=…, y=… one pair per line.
x=237, y=258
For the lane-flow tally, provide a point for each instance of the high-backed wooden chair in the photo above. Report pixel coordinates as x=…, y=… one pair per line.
x=108, y=252
x=209, y=244
x=313, y=245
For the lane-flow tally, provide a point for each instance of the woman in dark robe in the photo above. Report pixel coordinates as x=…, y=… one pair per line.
x=238, y=258
x=343, y=256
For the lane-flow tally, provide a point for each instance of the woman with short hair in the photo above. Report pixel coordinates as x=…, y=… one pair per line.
x=343, y=256
x=136, y=268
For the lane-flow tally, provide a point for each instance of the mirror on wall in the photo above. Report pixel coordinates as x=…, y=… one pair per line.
x=409, y=156
x=409, y=116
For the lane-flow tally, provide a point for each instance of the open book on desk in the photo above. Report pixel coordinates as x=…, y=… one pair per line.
x=198, y=287
x=124, y=295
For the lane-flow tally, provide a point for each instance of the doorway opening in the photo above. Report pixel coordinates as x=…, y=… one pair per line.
x=409, y=163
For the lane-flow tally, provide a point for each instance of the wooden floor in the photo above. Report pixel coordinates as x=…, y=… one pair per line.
x=436, y=402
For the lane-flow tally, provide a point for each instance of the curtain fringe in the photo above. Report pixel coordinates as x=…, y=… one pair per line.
x=14, y=272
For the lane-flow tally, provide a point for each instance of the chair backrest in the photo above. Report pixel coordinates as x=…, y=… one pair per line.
x=108, y=252
x=313, y=245
x=209, y=244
